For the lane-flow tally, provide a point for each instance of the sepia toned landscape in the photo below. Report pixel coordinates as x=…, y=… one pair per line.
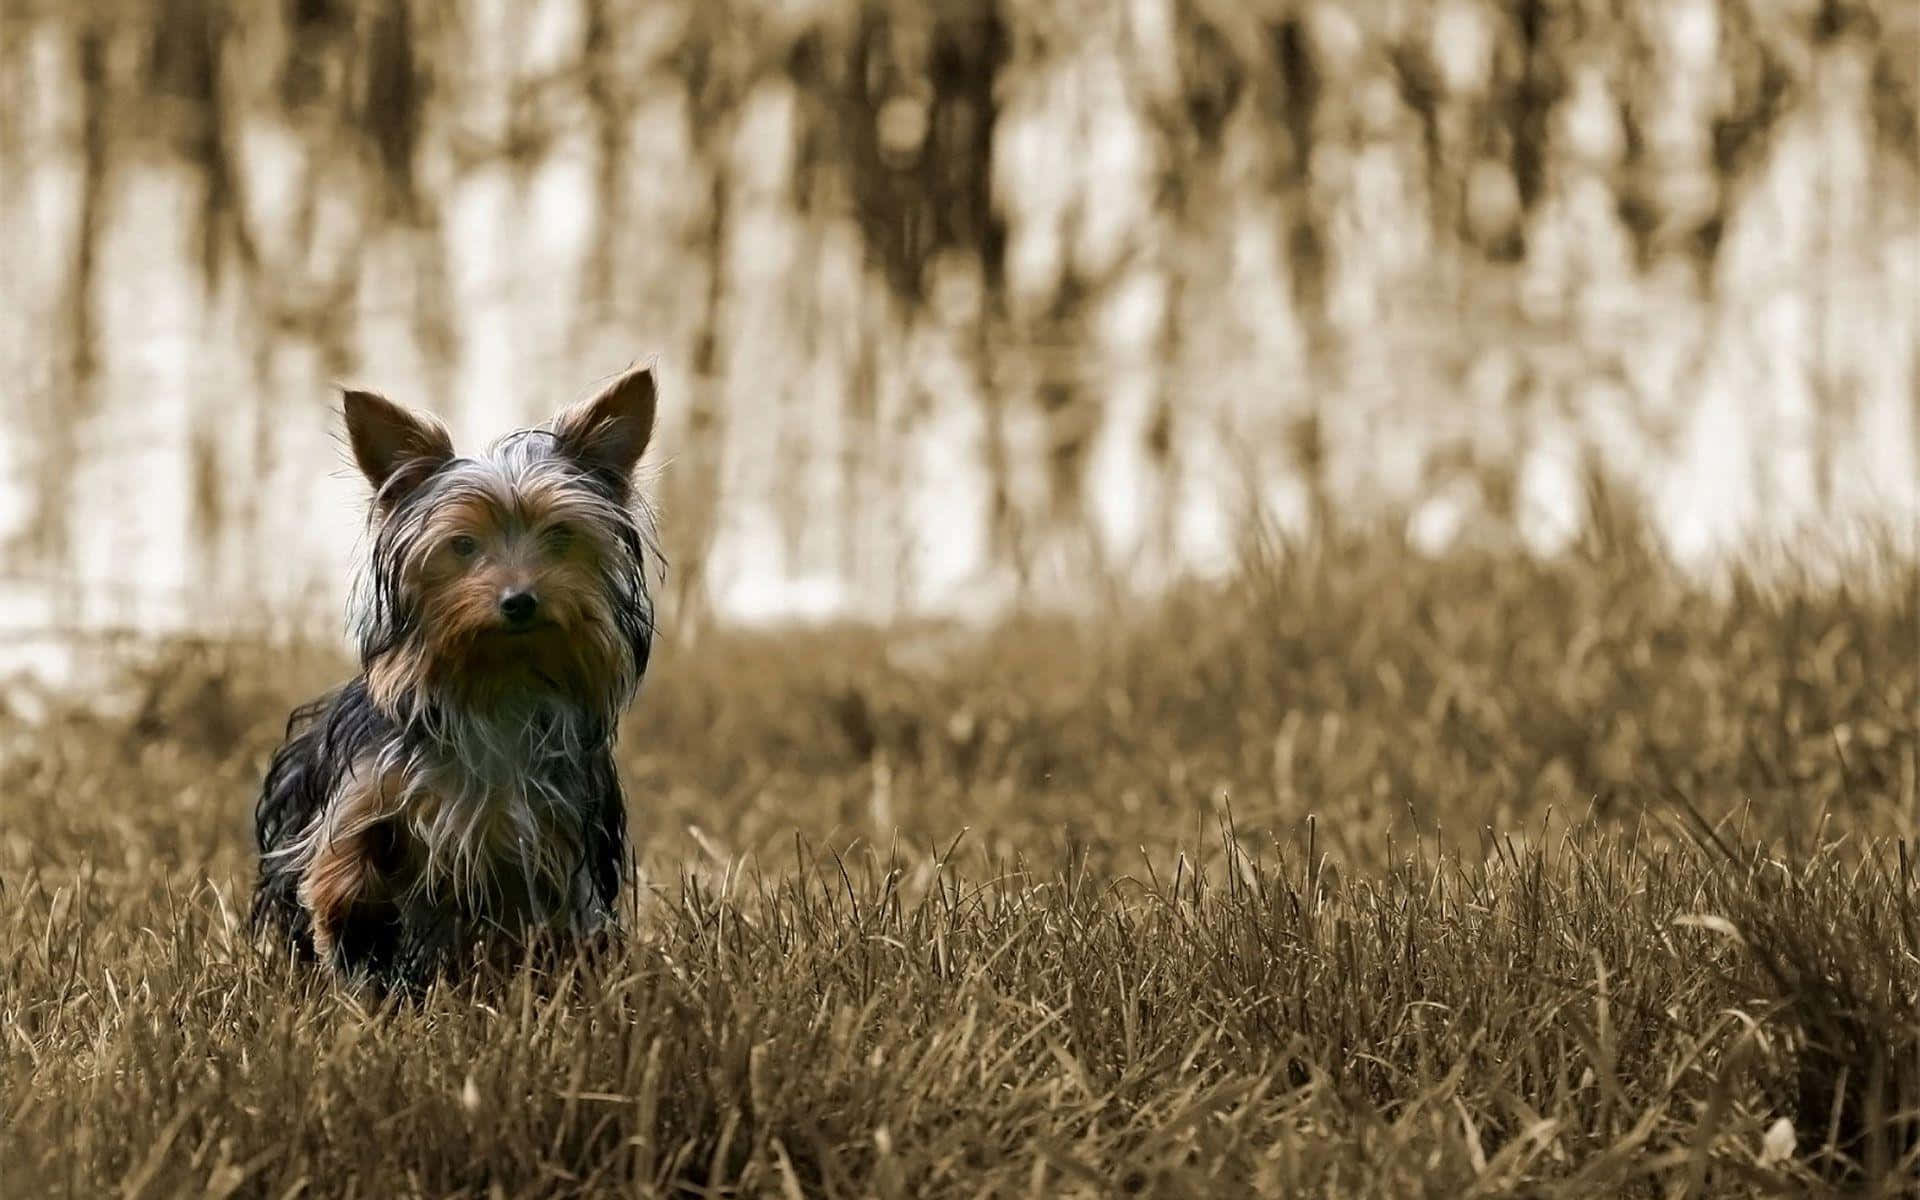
x=1275, y=599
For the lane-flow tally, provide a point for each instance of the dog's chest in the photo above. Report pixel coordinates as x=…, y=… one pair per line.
x=478, y=833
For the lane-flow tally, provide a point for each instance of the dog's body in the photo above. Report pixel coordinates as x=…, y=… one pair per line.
x=462, y=789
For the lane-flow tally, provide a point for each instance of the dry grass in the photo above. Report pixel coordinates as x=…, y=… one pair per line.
x=1258, y=894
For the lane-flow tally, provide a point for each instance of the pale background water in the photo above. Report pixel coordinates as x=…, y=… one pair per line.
x=936, y=340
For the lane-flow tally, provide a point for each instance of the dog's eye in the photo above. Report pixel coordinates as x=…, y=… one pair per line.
x=462, y=545
x=559, y=539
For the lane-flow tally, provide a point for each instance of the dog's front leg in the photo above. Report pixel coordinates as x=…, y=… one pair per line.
x=431, y=938
x=350, y=885
x=349, y=905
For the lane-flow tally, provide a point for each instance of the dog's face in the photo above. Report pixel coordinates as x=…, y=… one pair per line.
x=516, y=574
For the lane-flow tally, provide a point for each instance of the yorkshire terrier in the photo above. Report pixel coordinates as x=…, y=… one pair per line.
x=460, y=793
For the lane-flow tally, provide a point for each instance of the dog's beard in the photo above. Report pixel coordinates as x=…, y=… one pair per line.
x=580, y=676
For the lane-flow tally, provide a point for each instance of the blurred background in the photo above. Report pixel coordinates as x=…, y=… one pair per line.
x=958, y=306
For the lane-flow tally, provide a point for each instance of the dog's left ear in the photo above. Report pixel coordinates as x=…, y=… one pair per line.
x=610, y=432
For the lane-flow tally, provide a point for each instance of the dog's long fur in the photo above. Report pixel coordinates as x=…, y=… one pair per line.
x=462, y=789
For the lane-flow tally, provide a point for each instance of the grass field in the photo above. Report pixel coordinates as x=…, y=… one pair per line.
x=1359, y=875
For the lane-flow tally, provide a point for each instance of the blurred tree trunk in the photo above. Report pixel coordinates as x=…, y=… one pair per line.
x=1320, y=172
x=72, y=397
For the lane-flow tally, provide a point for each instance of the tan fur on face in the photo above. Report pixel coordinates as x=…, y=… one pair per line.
x=464, y=650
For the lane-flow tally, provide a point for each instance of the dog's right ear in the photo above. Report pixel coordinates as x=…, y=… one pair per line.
x=395, y=449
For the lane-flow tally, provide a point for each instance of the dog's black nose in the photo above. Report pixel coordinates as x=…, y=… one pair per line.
x=518, y=607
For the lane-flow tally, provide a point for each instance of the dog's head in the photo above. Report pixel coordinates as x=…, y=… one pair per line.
x=515, y=575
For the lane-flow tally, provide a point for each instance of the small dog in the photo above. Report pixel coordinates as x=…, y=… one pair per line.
x=462, y=789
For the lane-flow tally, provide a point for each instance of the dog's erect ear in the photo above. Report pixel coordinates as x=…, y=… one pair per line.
x=609, y=433
x=395, y=449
